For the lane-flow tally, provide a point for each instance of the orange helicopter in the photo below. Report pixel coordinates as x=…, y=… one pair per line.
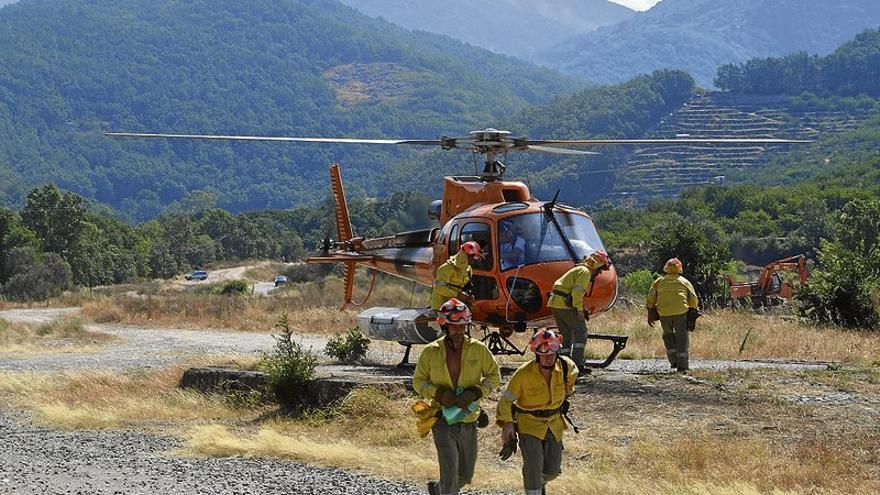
x=527, y=243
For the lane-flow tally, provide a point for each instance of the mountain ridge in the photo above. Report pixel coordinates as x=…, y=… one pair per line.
x=700, y=35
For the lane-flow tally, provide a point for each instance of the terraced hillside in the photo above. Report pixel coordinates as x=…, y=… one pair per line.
x=663, y=172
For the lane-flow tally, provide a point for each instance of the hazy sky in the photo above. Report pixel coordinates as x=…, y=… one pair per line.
x=637, y=4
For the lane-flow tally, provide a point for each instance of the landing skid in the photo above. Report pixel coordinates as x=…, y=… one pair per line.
x=499, y=344
x=619, y=343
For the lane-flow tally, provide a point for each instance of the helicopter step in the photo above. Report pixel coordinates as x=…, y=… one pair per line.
x=619, y=342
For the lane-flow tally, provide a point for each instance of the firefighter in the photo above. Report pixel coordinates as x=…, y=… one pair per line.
x=453, y=275
x=534, y=404
x=673, y=298
x=567, y=304
x=455, y=371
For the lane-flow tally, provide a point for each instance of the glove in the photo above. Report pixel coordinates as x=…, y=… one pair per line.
x=508, y=435
x=482, y=419
x=464, y=399
x=445, y=396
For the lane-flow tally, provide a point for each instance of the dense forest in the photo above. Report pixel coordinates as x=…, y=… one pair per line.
x=56, y=242
x=852, y=70
x=75, y=68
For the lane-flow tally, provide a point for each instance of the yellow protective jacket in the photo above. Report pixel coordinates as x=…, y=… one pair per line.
x=529, y=390
x=450, y=278
x=478, y=369
x=575, y=282
x=672, y=295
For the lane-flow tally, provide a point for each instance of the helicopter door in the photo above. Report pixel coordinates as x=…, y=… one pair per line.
x=485, y=286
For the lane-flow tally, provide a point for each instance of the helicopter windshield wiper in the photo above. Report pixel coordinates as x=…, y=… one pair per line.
x=548, y=213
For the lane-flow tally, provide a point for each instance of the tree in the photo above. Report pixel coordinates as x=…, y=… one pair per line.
x=56, y=219
x=845, y=292
x=704, y=258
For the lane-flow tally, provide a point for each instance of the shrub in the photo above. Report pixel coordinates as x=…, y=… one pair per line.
x=349, y=348
x=235, y=287
x=289, y=367
x=639, y=282
x=845, y=291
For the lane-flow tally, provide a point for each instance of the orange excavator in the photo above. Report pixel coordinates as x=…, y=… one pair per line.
x=770, y=289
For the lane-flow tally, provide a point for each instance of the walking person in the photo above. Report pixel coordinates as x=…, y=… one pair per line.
x=534, y=404
x=567, y=305
x=672, y=298
x=454, y=371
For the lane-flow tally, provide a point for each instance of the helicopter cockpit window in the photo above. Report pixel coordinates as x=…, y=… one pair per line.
x=510, y=207
x=482, y=235
x=541, y=239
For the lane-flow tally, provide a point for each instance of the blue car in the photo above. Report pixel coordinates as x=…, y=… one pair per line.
x=280, y=280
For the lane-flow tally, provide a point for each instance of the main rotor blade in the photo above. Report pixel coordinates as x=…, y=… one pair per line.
x=214, y=137
x=589, y=142
x=560, y=151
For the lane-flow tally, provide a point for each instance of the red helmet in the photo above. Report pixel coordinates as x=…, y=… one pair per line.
x=471, y=248
x=597, y=260
x=673, y=266
x=545, y=342
x=455, y=312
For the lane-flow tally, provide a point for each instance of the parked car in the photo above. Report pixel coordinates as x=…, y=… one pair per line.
x=197, y=275
x=280, y=280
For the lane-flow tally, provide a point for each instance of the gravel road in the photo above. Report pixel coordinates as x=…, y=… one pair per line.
x=41, y=461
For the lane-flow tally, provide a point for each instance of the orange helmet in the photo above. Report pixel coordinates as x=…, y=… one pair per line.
x=673, y=266
x=471, y=248
x=454, y=312
x=545, y=342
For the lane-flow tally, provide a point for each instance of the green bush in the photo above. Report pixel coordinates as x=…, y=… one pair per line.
x=349, y=348
x=236, y=287
x=639, y=282
x=845, y=291
x=289, y=367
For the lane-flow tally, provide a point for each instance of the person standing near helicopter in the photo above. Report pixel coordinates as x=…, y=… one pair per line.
x=455, y=371
x=453, y=276
x=566, y=302
x=673, y=300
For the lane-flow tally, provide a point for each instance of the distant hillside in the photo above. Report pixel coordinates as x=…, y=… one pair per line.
x=518, y=28
x=700, y=35
x=73, y=68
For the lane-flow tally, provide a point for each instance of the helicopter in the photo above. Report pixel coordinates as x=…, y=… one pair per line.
x=509, y=287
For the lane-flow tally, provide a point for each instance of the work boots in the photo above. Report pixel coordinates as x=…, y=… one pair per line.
x=433, y=488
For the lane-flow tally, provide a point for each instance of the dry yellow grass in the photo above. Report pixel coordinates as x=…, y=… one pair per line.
x=313, y=308
x=264, y=272
x=104, y=399
x=377, y=434
x=720, y=334
x=62, y=336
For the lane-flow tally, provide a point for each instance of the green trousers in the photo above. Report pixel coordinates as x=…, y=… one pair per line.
x=456, y=453
x=675, y=338
x=573, y=327
x=542, y=461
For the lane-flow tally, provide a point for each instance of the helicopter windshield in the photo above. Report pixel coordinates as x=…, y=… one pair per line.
x=532, y=238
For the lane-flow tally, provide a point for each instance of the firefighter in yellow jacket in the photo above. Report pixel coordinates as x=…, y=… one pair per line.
x=673, y=296
x=567, y=304
x=453, y=275
x=454, y=371
x=533, y=404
